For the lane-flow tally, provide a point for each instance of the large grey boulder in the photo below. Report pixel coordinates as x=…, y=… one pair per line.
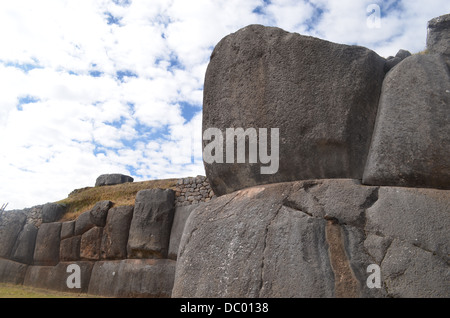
x=438, y=37
x=11, y=223
x=181, y=215
x=133, y=278
x=411, y=139
x=151, y=224
x=52, y=212
x=115, y=233
x=322, y=96
x=112, y=179
x=24, y=247
x=316, y=238
x=48, y=238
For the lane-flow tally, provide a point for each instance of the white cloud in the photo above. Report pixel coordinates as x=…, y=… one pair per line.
x=73, y=126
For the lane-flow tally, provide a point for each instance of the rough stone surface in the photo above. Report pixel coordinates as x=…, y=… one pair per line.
x=99, y=212
x=91, y=243
x=55, y=277
x=46, y=251
x=179, y=220
x=403, y=54
x=411, y=139
x=133, y=278
x=83, y=223
x=419, y=217
x=316, y=238
x=412, y=272
x=391, y=63
x=151, y=224
x=438, y=37
x=24, y=247
x=70, y=249
x=115, y=233
x=112, y=179
x=52, y=212
x=11, y=223
x=322, y=96
x=12, y=272
x=67, y=229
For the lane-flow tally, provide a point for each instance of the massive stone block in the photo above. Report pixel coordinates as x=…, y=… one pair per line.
x=24, y=247
x=70, y=249
x=12, y=272
x=322, y=96
x=83, y=223
x=55, y=277
x=52, y=212
x=11, y=223
x=67, y=229
x=151, y=224
x=133, y=278
x=99, y=212
x=316, y=238
x=46, y=251
x=115, y=233
x=90, y=245
x=411, y=140
x=179, y=221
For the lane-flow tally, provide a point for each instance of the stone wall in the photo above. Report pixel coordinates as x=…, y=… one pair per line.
x=111, y=245
x=193, y=190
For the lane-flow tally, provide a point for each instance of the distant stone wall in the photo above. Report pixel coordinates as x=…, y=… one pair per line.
x=109, y=245
x=193, y=190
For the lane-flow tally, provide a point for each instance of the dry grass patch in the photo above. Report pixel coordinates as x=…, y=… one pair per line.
x=84, y=199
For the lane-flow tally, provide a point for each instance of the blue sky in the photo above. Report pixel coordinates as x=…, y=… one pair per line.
x=115, y=86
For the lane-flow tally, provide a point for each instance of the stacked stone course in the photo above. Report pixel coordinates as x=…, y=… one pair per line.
x=193, y=190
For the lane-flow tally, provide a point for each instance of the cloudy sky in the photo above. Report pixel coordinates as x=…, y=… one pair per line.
x=115, y=86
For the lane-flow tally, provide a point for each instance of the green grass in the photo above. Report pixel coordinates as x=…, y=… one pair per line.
x=20, y=291
x=82, y=200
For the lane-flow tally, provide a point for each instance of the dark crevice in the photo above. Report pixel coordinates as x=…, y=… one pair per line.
x=261, y=282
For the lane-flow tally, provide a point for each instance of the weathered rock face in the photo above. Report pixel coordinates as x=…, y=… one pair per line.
x=411, y=140
x=90, y=245
x=125, y=278
x=181, y=215
x=322, y=96
x=151, y=224
x=46, y=251
x=67, y=229
x=438, y=37
x=99, y=212
x=70, y=249
x=112, y=179
x=11, y=223
x=115, y=233
x=55, y=277
x=24, y=246
x=316, y=239
x=52, y=212
x=12, y=272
